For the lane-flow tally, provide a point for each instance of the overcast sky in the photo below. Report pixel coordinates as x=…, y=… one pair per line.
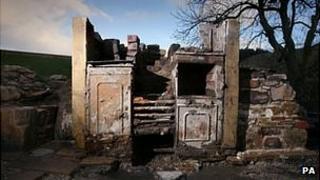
x=45, y=25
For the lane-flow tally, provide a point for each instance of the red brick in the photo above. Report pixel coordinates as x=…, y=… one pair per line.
x=275, y=118
x=254, y=83
x=133, y=38
x=301, y=125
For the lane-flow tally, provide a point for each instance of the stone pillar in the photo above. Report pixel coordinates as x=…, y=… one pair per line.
x=79, y=58
x=213, y=36
x=231, y=95
x=133, y=47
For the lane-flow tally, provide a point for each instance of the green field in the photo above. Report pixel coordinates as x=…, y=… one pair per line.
x=43, y=64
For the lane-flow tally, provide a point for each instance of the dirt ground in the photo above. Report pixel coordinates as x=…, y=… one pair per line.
x=61, y=161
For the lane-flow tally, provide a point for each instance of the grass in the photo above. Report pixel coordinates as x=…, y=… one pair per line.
x=43, y=64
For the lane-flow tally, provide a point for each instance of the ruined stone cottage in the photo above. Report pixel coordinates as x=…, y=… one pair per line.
x=131, y=100
x=193, y=103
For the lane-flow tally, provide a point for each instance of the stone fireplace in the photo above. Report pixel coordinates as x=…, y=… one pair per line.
x=199, y=86
x=206, y=90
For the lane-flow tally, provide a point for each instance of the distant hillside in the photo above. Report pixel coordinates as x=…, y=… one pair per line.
x=266, y=60
x=245, y=53
x=43, y=64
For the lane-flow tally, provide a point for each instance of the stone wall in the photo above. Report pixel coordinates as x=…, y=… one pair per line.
x=28, y=109
x=24, y=127
x=269, y=116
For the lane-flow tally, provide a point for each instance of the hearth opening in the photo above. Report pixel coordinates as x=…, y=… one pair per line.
x=146, y=147
x=192, y=78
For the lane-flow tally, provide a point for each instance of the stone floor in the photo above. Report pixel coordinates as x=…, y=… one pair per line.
x=62, y=161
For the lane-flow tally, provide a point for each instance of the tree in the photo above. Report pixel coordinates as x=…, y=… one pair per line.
x=284, y=24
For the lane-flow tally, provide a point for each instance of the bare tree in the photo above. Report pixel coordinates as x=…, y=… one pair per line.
x=285, y=24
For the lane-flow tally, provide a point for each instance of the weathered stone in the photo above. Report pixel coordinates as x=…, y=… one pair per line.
x=56, y=177
x=49, y=165
x=172, y=49
x=258, y=74
x=162, y=52
x=302, y=125
x=41, y=152
x=132, y=53
x=277, y=77
x=276, y=109
x=254, y=83
x=133, y=46
x=270, y=131
x=129, y=58
x=58, y=77
x=253, y=138
x=255, y=113
x=10, y=156
x=258, y=97
x=26, y=126
x=133, y=38
x=295, y=137
x=142, y=47
x=270, y=83
x=278, y=118
x=95, y=171
x=9, y=93
x=272, y=142
x=169, y=175
x=290, y=108
x=63, y=126
x=26, y=175
x=284, y=92
x=71, y=153
x=235, y=160
x=97, y=160
x=18, y=82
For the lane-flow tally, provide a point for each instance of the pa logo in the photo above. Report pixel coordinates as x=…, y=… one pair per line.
x=308, y=170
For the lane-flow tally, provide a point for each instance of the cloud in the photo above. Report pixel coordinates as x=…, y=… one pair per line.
x=41, y=26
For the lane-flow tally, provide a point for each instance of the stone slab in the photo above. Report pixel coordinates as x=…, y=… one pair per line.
x=97, y=160
x=10, y=156
x=26, y=175
x=41, y=152
x=169, y=175
x=50, y=165
x=71, y=153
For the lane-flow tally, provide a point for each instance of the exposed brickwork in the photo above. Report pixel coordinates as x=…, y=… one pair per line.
x=268, y=108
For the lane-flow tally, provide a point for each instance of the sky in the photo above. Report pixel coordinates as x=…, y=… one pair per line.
x=46, y=25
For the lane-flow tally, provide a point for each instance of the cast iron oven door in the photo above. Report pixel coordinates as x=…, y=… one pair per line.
x=109, y=100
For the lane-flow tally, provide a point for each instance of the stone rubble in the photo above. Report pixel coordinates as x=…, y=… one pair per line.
x=18, y=82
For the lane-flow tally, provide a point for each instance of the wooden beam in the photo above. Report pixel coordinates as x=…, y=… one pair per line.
x=232, y=85
x=79, y=58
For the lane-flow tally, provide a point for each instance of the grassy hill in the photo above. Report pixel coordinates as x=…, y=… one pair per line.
x=43, y=64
